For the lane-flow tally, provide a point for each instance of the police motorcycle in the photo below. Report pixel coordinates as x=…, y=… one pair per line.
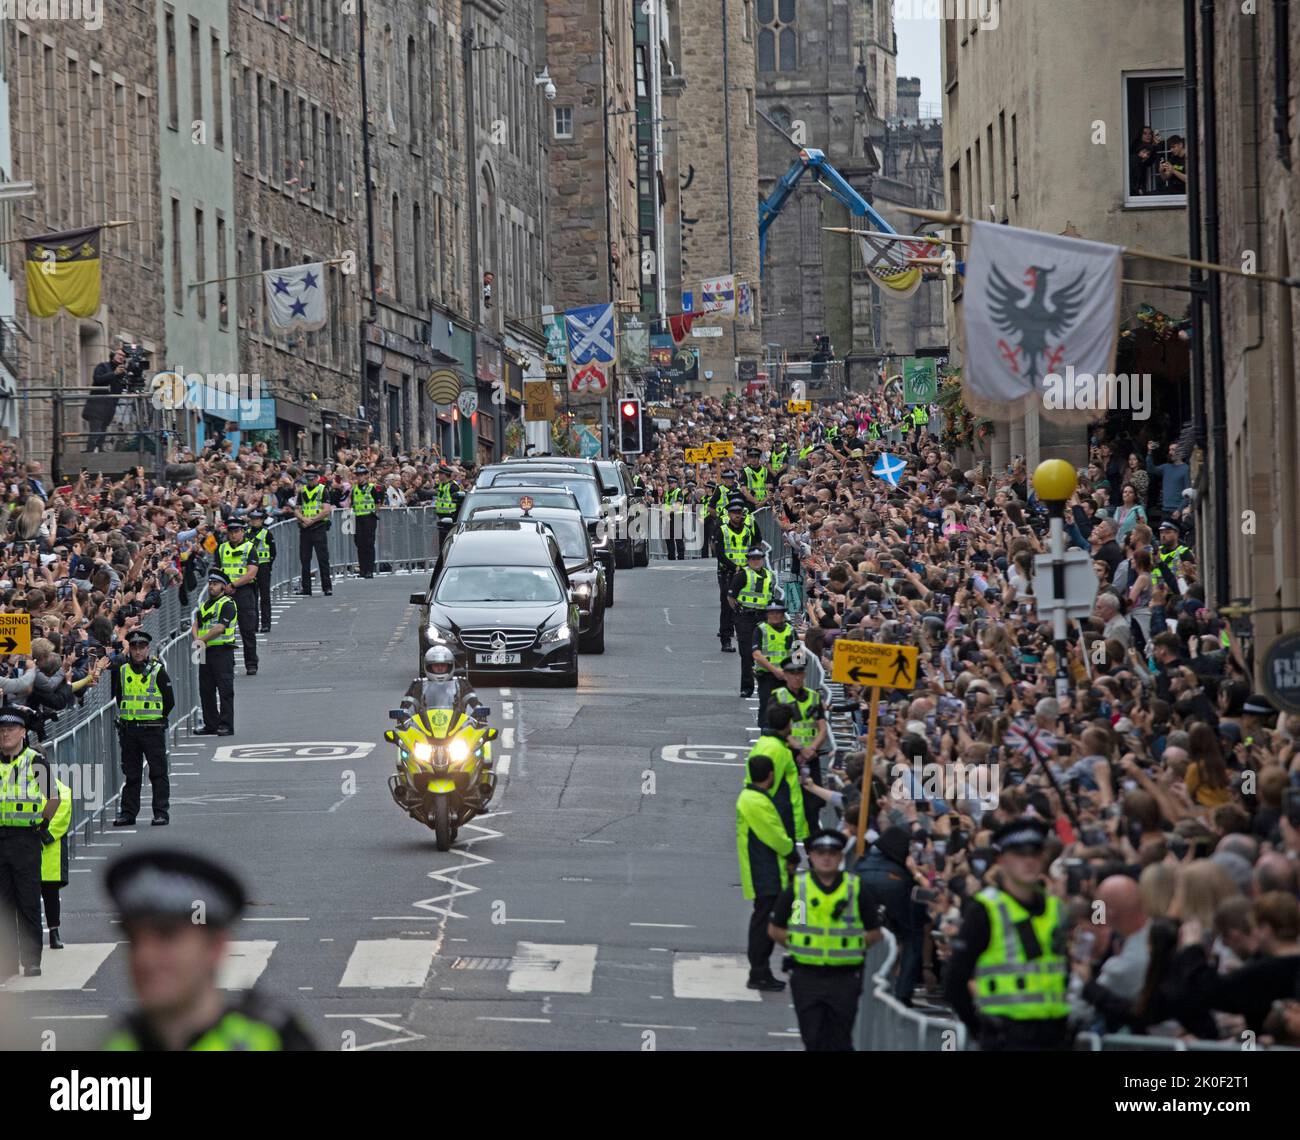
x=444, y=774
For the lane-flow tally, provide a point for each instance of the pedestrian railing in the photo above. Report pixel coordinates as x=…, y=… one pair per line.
x=884, y=1024
x=1138, y=1043
x=687, y=522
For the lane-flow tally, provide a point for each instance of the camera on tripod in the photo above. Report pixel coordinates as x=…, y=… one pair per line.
x=137, y=361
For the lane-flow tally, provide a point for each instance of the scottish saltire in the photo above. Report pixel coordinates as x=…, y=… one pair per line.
x=63, y=273
x=295, y=297
x=591, y=347
x=718, y=295
x=889, y=468
x=1035, y=305
x=744, y=299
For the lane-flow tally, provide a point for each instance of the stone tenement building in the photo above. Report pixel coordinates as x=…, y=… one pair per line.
x=83, y=123
x=826, y=74
x=715, y=151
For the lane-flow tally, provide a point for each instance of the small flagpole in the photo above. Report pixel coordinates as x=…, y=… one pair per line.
x=101, y=226
x=864, y=806
x=892, y=237
x=948, y=218
x=258, y=273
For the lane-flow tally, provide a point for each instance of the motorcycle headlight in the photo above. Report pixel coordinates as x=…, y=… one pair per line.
x=552, y=636
x=423, y=751
x=458, y=750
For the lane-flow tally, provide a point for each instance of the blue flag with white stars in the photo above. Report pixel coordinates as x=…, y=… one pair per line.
x=295, y=297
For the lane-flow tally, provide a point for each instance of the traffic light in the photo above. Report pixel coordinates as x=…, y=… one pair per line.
x=629, y=427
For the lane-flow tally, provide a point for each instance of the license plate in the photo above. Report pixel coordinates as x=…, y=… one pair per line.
x=498, y=658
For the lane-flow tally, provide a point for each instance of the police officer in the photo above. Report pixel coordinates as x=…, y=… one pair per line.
x=145, y=700
x=826, y=919
x=264, y=556
x=776, y=461
x=748, y=594
x=736, y=534
x=54, y=863
x=764, y=850
x=366, y=511
x=176, y=959
x=446, y=499
x=25, y=814
x=772, y=646
x=1169, y=554
x=774, y=743
x=239, y=564
x=1008, y=975
x=809, y=731
x=673, y=520
x=755, y=474
x=313, y=514
x=213, y=631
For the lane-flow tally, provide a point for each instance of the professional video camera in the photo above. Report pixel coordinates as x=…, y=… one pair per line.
x=137, y=363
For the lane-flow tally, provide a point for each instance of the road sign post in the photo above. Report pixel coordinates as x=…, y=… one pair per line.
x=878, y=667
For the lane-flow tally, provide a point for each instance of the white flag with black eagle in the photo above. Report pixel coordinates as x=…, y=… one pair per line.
x=1039, y=310
x=295, y=297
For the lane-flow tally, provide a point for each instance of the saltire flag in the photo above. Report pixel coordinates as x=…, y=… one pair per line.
x=744, y=299
x=889, y=468
x=591, y=347
x=1036, y=304
x=295, y=297
x=63, y=273
x=680, y=325
x=718, y=295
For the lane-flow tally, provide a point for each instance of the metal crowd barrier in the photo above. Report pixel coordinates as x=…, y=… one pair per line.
x=692, y=532
x=884, y=1024
x=1136, y=1043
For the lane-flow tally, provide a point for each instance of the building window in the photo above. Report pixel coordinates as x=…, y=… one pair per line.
x=1156, y=155
x=564, y=122
x=200, y=263
x=777, y=37
x=218, y=104
x=396, y=231
x=223, y=304
x=178, y=286
x=173, y=110
x=196, y=71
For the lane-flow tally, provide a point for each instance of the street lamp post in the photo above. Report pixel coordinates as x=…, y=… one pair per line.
x=1054, y=483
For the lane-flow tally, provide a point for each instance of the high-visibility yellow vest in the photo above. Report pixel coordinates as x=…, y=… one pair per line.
x=363, y=499
x=53, y=865
x=757, y=591
x=1007, y=983
x=787, y=795
x=672, y=499
x=211, y=613
x=234, y=1033
x=235, y=559
x=21, y=797
x=807, y=706
x=756, y=481
x=920, y=416
x=736, y=543
x=262, y=544
x=778, y=458
x=310, y=500
x=775, y=644
x=444, y=499
x=816, y=937
x=142, y=698
x=1165, y=561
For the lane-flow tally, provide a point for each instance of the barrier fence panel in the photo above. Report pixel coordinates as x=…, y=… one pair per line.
x=691, y=529
x=884, y=1023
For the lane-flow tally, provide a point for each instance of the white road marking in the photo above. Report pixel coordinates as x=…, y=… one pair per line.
x=551, y=921
x=244, y=964
x=508, y=709
x=502, y=765
x=718, y=755
x=336, y=750
x=295, y=918
x=664, y=925
x=522, y=1020
x=507, y=737
x=539, y=967
x=505, y=692
x=287, y=691
x=774, y=1034
x=70, y=969
x=69, y=1017
x=714, y=977
x=637, y=1025
x=668, y=649
x=389, y=963
x=667, y=619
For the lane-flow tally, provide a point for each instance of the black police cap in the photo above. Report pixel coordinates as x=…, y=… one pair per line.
x=14, y=714
x=138, y=637
x=168, y=884
x=1026, y=831
x=826, y=840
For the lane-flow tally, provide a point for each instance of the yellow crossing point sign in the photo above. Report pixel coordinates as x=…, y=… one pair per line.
x=723, y=450
x=16, y=633
x=798, y=407
x=868, y=663
x=697, y=454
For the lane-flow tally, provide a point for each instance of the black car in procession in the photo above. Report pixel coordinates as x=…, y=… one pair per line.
x=499, y=598
x=586, y=574
x=586, y=489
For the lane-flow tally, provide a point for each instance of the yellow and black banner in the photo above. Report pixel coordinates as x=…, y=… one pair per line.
x=63, y=272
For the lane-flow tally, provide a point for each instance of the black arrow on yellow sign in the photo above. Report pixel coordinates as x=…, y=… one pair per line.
x=8, y=645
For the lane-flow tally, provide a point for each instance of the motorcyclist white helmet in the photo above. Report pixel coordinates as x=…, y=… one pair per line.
x=439, y=663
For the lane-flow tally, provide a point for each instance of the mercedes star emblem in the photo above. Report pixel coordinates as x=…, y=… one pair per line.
x=498, y=640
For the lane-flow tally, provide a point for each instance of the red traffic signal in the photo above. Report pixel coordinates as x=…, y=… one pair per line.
x=629, y=410
x=629, y=427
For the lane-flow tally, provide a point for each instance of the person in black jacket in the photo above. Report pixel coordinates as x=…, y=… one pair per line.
x=885, y=871
x=110, y=378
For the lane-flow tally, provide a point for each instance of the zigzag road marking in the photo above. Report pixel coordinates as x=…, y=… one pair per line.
x=451, y=875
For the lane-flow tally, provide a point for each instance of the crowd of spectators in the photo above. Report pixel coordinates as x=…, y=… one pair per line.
x=1172, y=787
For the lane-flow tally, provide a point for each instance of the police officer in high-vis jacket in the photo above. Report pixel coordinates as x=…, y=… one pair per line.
x=826, y=920
x=177, y=909
x=446, y=498
x=313, y=515
x=264, y=556
x=145, y=700
x=25, y=813
x=213, y=631
x=736, y=535
x=764, y=850
x=1009, y=972
x=54, y=864
x=810, y=729
x=749, y=593
x=756, y=476
x=366, y=499
x=772, y=646
x=238, y=561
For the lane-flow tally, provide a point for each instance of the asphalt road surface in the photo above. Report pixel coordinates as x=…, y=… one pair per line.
x=597, y=907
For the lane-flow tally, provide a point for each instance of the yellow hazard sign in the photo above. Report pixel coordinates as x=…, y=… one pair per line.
x=15, y=633
x=697, y=455
x=723, y=450
x=798, y=407
x=868, y=663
